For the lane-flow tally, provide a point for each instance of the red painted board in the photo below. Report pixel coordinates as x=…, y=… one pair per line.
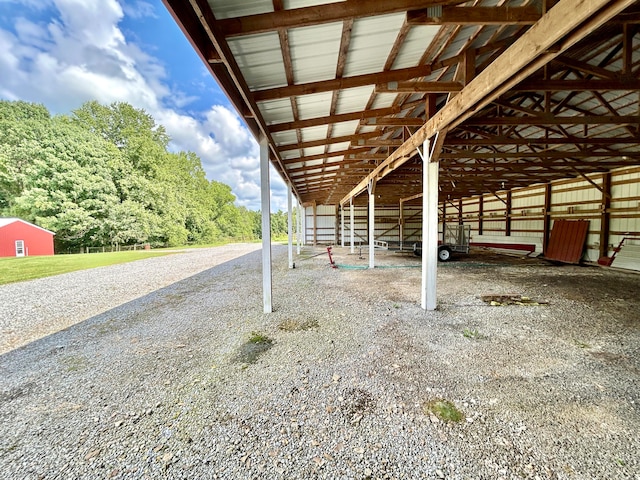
x=567, y=239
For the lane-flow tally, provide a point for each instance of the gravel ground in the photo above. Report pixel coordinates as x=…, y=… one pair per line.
x=162, y=382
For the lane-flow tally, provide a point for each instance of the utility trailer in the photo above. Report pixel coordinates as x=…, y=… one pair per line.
x=455, y=239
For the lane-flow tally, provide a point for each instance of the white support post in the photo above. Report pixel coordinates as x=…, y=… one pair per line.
x=342, y=225
x=401, y=225
x=315, y=223
x=429, y=228
x=303, y=220
x=266, y=225
x=351, y=225
x=298, y=227
x=290, y=225
x=372, y=223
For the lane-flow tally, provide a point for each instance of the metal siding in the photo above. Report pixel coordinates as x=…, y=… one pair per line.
x=310, y=63
x=36, y=240
x=315, y=105
x=276, y=111
x=371, y=42
x=353, y=99
x=347, y=128
x=238, y=8
x=567, y=240
x=628, y=257
x=313, y=133
x=289, y=4
x=285, y=138
x=260, y=60
x=412, y=48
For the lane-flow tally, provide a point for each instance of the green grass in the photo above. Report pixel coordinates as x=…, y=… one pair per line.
x=257, y=337
x=444, y=410
x=256, y=345
x=472, y=334
x=28, y=268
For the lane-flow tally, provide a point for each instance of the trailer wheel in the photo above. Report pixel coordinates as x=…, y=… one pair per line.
x=444, y=254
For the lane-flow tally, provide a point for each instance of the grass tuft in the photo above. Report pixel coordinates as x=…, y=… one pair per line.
x=257, y=337
x=291, y=325
x=256, y=345
x=444, y=410
x=472, y=334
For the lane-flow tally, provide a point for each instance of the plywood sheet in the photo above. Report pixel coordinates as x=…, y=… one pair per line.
x=566, y=243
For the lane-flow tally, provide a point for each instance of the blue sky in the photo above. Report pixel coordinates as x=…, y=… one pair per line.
x=62, y=53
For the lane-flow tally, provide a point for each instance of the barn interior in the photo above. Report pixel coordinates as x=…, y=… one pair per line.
x=391, y=120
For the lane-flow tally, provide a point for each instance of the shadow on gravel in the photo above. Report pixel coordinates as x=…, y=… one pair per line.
x=137, y=311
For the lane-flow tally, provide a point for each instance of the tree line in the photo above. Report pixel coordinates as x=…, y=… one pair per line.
x=103, y=175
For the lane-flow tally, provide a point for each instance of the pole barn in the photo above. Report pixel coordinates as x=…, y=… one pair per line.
x=22, y=239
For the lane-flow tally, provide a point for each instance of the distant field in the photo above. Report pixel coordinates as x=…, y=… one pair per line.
x=27, y=268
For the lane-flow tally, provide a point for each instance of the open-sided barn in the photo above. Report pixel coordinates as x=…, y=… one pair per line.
x=23, y=239
x=390, y=119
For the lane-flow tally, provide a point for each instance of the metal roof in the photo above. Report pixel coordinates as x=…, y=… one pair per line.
x=342, y=90
x=9, y=220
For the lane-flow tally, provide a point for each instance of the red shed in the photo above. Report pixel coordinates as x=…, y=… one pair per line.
x=21, y=239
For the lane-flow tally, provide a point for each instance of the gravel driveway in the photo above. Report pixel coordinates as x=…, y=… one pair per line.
x=161, y=381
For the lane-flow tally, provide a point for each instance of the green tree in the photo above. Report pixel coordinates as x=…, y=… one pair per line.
x=104, y=175
x=67, y=185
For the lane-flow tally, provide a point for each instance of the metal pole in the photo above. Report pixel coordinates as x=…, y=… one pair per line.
x=429, y=229
x=351, y=222
x=266, y=225
x=290, y=225
x=372, y=223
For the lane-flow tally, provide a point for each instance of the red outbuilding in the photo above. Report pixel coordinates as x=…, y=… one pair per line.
x=22, y=239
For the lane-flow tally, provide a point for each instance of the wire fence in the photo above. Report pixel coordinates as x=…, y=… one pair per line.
x=110, y=248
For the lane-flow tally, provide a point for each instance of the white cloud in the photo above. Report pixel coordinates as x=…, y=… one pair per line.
x=139, y=9
x=82, y=54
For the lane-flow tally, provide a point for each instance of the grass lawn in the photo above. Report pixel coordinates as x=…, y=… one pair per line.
x=28, y=268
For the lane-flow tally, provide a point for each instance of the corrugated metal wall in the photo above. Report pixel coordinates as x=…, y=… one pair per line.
x=489, y=219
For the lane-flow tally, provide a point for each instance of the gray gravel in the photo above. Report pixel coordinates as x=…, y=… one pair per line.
x=160, y=384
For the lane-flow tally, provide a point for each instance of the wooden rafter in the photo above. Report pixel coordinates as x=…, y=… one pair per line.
x=319, y=14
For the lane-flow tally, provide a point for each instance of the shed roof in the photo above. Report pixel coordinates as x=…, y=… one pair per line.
x=344, y=91
x=9, y=220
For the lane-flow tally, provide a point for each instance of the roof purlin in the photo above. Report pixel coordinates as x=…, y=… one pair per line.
x=529, y=53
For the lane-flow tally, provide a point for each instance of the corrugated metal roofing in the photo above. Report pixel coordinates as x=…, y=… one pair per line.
x=306, y=72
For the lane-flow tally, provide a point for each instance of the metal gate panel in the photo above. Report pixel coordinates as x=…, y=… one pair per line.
x=566, y=243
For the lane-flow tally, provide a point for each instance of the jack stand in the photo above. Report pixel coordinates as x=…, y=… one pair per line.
x=333, y=265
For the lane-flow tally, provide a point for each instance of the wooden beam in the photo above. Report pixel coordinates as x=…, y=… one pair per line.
x=319, y=14
x=556, y=120
x=605, y=215
x=342, y=83
x=546, y=233
x=585, y=67
x=419, y=87
x=344, y=117
x=567, y=22
x=622, y=84
x=393, y=122
x=324, y=155
x=541, y=154
x=391, y=142
x=474, y=16
x=498, y=141
x=353, y=139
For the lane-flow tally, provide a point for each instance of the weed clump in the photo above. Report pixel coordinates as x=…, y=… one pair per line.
x=256, y=345
x=444, y=410
x=472, y=334
x=291, y=325
x=257, y=337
